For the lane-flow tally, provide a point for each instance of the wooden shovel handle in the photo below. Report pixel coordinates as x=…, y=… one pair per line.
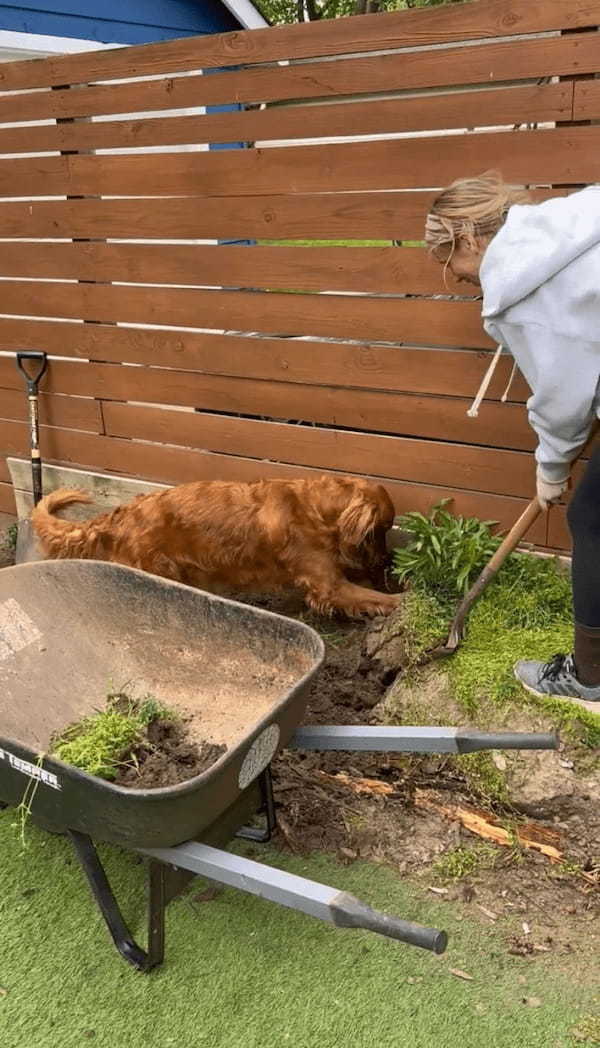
x=508, y=546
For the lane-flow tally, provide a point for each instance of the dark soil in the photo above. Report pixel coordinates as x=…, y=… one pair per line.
x=316, y=812
x=167, y=757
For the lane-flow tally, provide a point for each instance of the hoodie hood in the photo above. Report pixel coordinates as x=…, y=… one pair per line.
x=535, y=244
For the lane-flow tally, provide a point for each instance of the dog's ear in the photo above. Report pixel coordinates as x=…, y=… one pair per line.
x=358, y=519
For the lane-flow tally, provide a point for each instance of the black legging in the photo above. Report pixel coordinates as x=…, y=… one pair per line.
x=584, y=521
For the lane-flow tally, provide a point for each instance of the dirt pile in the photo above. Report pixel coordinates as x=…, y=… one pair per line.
x=166, y=757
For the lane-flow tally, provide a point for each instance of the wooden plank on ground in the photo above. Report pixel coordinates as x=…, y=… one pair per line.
x=65, y=411
x=368, y=269
x=107, y=492
x=492, y=107
x=387, y=319
x=399, y=458
x=178, y=465
x=346, y=216
x=586, y=103
x=414, y=70
x=442, y=25
x=565, y=155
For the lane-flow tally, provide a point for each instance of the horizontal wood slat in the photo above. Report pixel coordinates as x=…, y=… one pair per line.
x=68, y=412
x=488, y=63
x=348, y=216
x=180, y=465
x=332, y=405
x=427, y=371
x=398, y=458
x=406, y=415
x=586, y=103
x=535, y=102
x=560, y=156
x=559, y=536
x=374, y=270
x=485, y=19
x=387, y=319
x=7, y=498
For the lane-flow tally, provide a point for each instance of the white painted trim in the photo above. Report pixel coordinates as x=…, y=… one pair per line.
x=246, y=13
x=48, y=45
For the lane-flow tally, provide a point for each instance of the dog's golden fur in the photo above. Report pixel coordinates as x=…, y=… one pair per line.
x=322, y=535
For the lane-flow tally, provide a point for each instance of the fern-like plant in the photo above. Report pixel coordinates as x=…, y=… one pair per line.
x=445, y=553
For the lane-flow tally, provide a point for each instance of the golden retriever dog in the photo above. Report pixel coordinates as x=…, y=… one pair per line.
x=324, y=536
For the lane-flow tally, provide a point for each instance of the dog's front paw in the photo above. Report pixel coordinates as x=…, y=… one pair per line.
x=380, y=604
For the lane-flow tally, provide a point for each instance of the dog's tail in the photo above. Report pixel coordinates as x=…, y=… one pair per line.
x=60, y=538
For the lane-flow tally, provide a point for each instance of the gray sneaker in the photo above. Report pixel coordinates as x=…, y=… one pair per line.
x=557, y=679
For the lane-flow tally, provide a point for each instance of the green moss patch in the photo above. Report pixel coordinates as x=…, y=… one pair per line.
x=465, y=861
x=103, y=743
x=526, y=612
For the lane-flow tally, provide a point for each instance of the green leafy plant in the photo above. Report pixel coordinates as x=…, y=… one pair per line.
x=11, y=536
x=464, y=861
x=445, y=553
x=102, y=743
x=23, y=811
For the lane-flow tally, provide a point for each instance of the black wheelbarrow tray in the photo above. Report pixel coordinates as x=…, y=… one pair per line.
x=69, y=630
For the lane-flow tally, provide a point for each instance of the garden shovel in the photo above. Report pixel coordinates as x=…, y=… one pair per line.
x=508, y=546
x=26, y=549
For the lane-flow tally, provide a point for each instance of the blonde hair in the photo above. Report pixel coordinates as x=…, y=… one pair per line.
x=469, y=209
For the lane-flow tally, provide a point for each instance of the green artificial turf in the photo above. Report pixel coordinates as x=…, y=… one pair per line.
x=243, y=973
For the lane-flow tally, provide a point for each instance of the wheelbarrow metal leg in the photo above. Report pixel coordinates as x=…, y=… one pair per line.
x=298, y=893
x=104, y=896
x=253, y=833
x=419, y=739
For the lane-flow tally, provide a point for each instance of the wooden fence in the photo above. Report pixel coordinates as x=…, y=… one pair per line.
x=176, y=359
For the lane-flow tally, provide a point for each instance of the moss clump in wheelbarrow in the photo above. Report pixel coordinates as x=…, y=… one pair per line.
x=138, y=743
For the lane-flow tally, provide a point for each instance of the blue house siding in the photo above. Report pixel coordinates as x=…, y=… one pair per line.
x=118, y=21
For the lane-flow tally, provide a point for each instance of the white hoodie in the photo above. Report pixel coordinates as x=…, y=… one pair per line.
x=540, y=277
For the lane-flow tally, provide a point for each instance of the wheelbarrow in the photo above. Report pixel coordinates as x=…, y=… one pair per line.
x=69, y=629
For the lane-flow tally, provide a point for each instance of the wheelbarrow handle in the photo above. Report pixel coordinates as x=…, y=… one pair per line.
x=349, y=912
x=298, y=893
x=34, y=379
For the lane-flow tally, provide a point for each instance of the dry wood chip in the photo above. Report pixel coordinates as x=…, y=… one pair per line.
x=438, y=891
x=372, y=786
x=489, y=913
x=458, y=972
x=348, y=853
x=484, y=824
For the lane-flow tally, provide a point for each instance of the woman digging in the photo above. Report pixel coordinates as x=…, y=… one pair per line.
x=538, y=266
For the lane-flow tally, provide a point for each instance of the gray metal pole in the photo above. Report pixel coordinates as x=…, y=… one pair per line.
x=298, y=893
x=420, y=739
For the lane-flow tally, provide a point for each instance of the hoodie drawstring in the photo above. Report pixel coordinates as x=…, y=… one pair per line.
x=487, y=378
x=504, y=396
